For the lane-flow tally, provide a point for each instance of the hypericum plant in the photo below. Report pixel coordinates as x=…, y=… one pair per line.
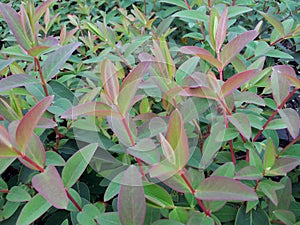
x=131, y=129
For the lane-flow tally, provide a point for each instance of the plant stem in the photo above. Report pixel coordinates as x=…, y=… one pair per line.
x=34, y=164
x=275, y=113
x=187, y=4
x=233, y=3
x=73, y=201
x=44, y=84
x=4, y=191
x=205, y=210
x=209, y=3
x=289, y=145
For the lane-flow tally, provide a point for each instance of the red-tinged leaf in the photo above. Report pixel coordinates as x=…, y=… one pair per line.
x=30, y=120
x=89, y=109
x=17, y=80
x=46, y=123
x=286, y=216
x=213, y=24
x=167, y=149
x=110, y=80
x=291, y=119
x=56, y=60
x=41, y=10
x=6, y=148
x=224, y=189
x=241, y=123
x=163, y=170
x=280, y=87
x=232, y=48
x=177, y=138
x=13, y=20
x=37, y=50
x=248, y=173
x=269, y=188
x=294, y=81
x=282, y=166
x=130, y=86
x=236, y=81
x=274, y=22
x=202, y=92
x=50, y=186
x=131, y=200
x=202, y=53
x=35, y=151
x=221, y=30
x=27, y=29
x=284, y=69
x=270, y=154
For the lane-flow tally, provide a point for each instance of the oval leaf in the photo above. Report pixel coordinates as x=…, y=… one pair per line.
x=221, y=30
x=242, y=124
x=291, y=119
x=224, y=189
x=17, y=80
x=131, y=201
x=50, y=186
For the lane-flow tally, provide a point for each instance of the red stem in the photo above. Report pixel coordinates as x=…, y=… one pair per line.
x=206, y=211
x=233, y=3
x=73, y=201
x=209, y=3
x=4, y=191
x=275, y=113
x=34, y=164
x=187, y=4
x=44, y=84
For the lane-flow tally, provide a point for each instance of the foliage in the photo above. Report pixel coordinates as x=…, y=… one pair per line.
x=154, y=112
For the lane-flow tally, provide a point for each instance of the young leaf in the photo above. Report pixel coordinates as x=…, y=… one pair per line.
x=30, y=120
x=221, y=30
x=177, y=138
x=201, y=92
x=224, y=188
x=282, y=166
x=270, y=154
x=130, y=86
x=56, y=60
x=27, y=29
x=35, y=208
x=131, y=200
x=89, y=109
x=16, y=80
x=76, y=165
x=280, y=87
x=291, y=119
x=236, y=81
x=202, y=53
x=13, y=20
x=274, y=22
x=41, y=10
x=232, y=48
x=6, y=148
x=167, y=149
x=242, y=124
x=50, y=186
x=158, y=195
x=110, y=80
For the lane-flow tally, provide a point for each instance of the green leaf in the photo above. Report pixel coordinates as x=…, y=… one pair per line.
x=224, y=189
x=227, y=134
x=274, y=22
x=13, y=20
x=131, y=200
x=280, y=87
x=110, y=218
x=202, y=53
x=17, y=80
x=248, y=173
x=284, y=195
x=200, y=218
x=276, y=124
x=254, y=217
x=53, y=158
x=5, y=63
x=269, y=155
x=9, y=209
x=56, y=60
x=226, y=170
x=237, y=10
x=30, y=120
x=18, y=194
x=158, y=195
x=5, y=163
x=50, y=186
x=242, y=124
x=232, y=48
x=41, y=10
x=186, y=69
x=35, y=208
x=114, y=187
x=6, y=148
x=177, y=138
x=210, y=149
x=221, y=30
x=191, y=14
x=178, y=3
x=291, y=119
x=285, y=216
x=167, y=222
x=7, y=111
x=236, y=81
x=88, y=215
x=77, y=164
x=130, y=86
x=179, y=214
x=269, y=188
x=61, y=91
